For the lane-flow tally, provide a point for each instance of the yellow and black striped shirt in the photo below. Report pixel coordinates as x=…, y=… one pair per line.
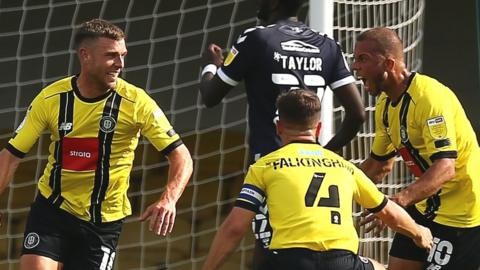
x=93, y=143
x=427, y=124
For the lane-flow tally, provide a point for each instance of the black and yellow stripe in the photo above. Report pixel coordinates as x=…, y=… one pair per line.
x=65, y=115
x=102, y=174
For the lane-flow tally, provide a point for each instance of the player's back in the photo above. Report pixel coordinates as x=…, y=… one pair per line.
x=275, y=59
x=309, y=193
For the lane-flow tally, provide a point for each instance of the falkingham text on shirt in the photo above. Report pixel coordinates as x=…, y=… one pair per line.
x=308, y=162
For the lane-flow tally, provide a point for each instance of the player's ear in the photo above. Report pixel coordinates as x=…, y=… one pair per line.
x=83, y=54
x=390, y=63
x=279, y=127
x=317, y=129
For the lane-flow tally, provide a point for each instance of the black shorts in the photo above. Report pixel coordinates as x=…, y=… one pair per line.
x=78, y=244
x=453, y=249
x=306, y=259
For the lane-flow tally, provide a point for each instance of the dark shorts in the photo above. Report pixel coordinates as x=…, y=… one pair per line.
x=306, y=259
x=454, y=248
x=56, y=234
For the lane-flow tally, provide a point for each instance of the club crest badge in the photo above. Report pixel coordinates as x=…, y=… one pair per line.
x=31, y=240
x=107, y=124
x=403, y=134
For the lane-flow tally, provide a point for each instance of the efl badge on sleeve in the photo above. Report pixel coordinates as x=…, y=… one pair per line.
x=231, y=55
x=437, y=127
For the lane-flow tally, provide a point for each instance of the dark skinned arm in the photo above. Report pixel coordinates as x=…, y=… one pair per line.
x=349, y=97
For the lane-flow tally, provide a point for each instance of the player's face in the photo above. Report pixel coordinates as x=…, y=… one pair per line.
x=369, y=67
x=106, y=60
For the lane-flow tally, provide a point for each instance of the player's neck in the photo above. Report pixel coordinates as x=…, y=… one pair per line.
x=399, y=85
x=274, y=18
x=90, y=88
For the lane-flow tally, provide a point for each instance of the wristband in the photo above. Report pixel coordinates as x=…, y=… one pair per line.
x=209, y=68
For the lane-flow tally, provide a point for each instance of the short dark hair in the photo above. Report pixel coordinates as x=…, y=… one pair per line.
x=299, y=108
x=97, y=28
x=387, y=42
x=291, y=6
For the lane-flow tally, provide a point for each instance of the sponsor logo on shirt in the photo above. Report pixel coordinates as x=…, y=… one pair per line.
x=65, y=126
x=79, y=154
x=299, y=46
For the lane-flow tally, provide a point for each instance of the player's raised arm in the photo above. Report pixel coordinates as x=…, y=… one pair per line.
x=212, y=88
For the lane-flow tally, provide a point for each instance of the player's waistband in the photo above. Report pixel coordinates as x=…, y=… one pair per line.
x=40, y=199
x=327, y=254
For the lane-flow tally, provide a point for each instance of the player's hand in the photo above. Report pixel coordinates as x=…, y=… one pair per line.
x=162, y=216
x=374, y=223
x=424, y=239
x=213, y=55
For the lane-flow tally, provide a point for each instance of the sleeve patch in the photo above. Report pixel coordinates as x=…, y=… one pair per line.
x=442, y=143
x=171, y=133
x=157, y=114
x=437, y=127
x=231, y=56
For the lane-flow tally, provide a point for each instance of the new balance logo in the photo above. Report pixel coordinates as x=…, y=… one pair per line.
x=299, y=46
x=65, y=126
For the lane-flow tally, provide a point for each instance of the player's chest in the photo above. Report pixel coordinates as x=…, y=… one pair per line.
x=77, y=118
x=402, y=126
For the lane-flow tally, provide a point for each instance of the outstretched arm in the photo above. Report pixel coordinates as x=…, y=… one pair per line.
x=212, y=88
x=162, y=213
x=350, y=99
x=398, y=219
x=228, y=237
x=441, y=171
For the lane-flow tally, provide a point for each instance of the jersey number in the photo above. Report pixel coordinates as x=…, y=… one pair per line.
x=333, y=200
x=287, y=79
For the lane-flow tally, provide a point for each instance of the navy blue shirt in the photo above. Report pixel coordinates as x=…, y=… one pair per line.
x=275, y=59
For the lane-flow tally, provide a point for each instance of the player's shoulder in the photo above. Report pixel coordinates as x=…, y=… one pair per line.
x=130, y=91
x=57, y=87
x=424, y=88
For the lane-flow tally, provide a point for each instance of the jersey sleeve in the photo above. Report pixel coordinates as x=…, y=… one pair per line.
x=30, y=129
x=155, y=126
x=252, y=195
x=382, y=147
x=239, y=58
x=341, y=74
x=367, y=194
x=436, y=117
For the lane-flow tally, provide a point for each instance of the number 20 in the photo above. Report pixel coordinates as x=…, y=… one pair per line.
x=287, y=79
